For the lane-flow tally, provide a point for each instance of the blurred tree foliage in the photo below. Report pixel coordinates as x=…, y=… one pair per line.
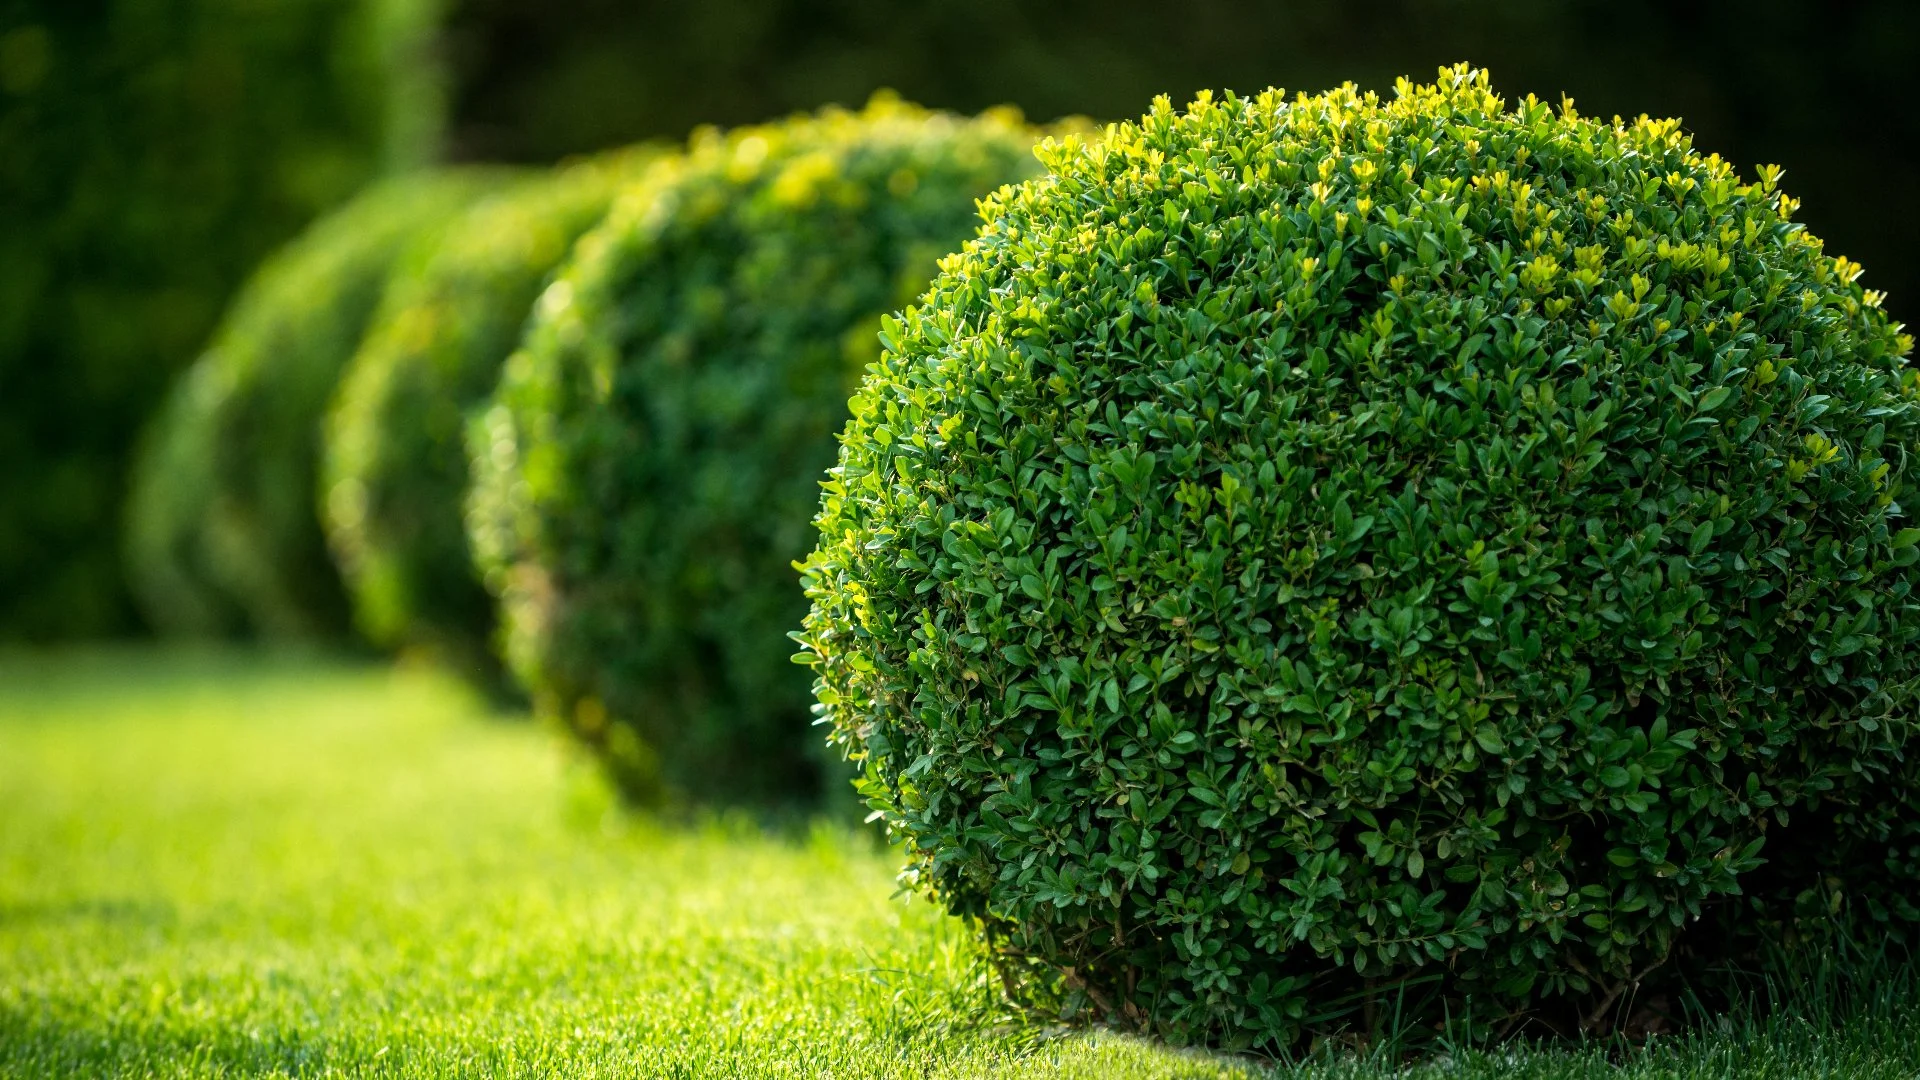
x=1819, y=86
x=151, y=153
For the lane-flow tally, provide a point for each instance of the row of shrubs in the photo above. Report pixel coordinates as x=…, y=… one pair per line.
x=1298, y=550
x=685, y=329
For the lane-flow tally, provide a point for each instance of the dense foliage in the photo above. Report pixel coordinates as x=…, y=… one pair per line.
x=394, y=474
x=1310, y=547
x=222, y=530
x=646, y=474
x=151, y=153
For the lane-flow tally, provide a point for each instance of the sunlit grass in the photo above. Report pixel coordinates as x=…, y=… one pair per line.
x=310, y=870
x=216, y=866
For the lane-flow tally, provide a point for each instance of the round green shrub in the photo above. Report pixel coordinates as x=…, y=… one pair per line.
x=647, y=472
x=222, y=533
x=1314, y=548
x=394, y=474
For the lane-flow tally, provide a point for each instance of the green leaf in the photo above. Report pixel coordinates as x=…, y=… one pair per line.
x=1489, y=738
x=1702, y=536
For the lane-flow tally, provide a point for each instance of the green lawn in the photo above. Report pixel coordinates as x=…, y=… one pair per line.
x=213, y=865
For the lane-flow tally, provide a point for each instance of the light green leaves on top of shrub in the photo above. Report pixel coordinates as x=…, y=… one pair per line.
x=1319, y=547
x=646, y=474
x=222, y=530
x=395, y=469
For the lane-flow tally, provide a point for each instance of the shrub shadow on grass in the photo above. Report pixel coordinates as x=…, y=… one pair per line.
x=147, y=913
x=36, y=1043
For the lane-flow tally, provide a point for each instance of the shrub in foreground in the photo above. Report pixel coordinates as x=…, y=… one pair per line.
x=394, y=474
x=646, y=474
x=222, y=533
x=1308, y=549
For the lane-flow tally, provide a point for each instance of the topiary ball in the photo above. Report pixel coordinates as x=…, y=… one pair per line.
x=1311, y=549
x=222, y=529
x=394, y=471
x=647, y=473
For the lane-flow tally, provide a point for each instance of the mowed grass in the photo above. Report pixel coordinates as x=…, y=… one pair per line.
x=213, y=867
x=221, y=865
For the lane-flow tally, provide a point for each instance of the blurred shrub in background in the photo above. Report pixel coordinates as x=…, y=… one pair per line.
x=223, y=533
x=394, y=477
x=651, y=464
x=151, y=153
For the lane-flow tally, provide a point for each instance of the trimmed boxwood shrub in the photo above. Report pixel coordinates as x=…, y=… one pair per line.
x=646, y=475
x=1314, y=548
x=394, y=475
x=222, y=533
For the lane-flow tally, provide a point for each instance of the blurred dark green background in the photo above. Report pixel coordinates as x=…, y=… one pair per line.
x=151, y=153
x=152, y=150
x=1823, y=87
